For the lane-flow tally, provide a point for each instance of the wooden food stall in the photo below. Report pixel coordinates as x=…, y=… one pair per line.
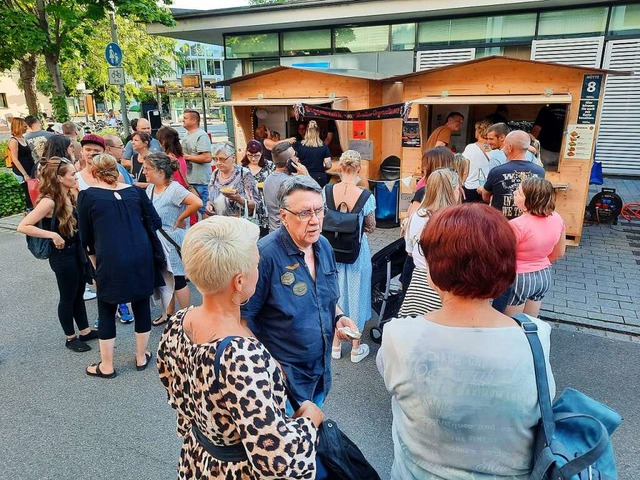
x=268, y=97
x=475, y=88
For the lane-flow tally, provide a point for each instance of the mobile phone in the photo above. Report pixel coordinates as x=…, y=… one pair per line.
x=291, y=166
x=350, y=333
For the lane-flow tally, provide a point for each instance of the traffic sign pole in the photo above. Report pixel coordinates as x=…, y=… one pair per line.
x=123, y=100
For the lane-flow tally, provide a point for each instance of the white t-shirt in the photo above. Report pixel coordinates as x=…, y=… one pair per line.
x=477, y=160
x=464, y=400
x=412, y=238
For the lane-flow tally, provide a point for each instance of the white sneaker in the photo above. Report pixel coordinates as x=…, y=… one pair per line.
x=88, y=294
x=360, y=354
x=336, y=352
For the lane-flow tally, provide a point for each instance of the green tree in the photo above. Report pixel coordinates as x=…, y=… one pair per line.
x=57, y=28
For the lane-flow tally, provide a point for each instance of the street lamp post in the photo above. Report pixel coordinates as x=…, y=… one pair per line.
x=123, y=100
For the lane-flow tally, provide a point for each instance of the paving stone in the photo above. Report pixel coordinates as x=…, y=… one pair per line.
x=607, y=317
x=609, y=296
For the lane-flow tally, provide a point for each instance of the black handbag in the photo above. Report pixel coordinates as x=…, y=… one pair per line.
x=159, y=258
x=41, y=247
x=342, y=458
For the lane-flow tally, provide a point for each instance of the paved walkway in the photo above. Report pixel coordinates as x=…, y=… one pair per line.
x=597, y=283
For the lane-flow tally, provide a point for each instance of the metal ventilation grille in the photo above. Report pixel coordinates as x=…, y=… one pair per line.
x=429, y=59
x=584, y=52
x=618, y=145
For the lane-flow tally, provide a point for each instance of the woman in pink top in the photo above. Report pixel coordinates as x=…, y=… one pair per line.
x=170, y=141
x=540, y=242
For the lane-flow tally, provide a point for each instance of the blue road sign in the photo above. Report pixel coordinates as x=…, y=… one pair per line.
x=113, y=54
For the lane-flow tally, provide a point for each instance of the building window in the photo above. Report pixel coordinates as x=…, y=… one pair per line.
x=248, y=46
x=522, y=52
x=571, y=23
x=3, y=100
x=403, y=37
x=474, y=30
x=213, y=67
x=625, y=20
x=362, y=39
x=254, y=66
x=308, y=42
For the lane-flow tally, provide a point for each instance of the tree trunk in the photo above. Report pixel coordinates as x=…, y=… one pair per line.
x=27, y=67
x=51, y=60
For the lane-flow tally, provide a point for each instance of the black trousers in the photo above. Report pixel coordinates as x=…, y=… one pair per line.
x=27, y=198
x=69, y=271
x=107, y=317
x=471, y=196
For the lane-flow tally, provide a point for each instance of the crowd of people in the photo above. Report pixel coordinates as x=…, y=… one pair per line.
x=140, y=219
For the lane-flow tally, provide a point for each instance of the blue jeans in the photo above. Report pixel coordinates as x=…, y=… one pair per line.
x=203, y=190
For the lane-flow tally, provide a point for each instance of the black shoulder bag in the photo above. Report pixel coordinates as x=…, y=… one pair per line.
x=41, y=247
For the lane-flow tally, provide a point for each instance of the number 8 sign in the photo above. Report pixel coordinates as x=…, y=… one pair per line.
x=116, y=76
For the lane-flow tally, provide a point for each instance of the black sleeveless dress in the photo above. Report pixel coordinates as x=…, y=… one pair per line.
x=25, y=158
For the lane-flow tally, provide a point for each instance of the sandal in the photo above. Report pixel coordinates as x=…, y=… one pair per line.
x=336, y=352
x=161, y=320
x=98, y=372
x=148, y=356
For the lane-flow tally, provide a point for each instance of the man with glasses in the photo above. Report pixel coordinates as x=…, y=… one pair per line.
x=115, y=147
x=294, y=310
x=281, y=154
x=197, y=153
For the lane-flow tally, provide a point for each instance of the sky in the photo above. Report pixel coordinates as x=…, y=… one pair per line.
x=208, y=4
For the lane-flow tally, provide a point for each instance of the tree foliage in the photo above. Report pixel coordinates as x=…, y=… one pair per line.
x=59, y=28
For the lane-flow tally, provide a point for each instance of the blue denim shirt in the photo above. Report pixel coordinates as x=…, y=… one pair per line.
x=293, y=315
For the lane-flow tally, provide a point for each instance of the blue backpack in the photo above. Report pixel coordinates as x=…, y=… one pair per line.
x=573, y=436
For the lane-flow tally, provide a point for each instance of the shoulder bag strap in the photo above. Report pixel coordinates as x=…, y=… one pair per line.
x=171, y=241
x=219, y=351
x=544, y=395
x=182, y=176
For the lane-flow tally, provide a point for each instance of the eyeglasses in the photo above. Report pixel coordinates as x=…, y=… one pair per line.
x=62, y=160
x=256, y=154
x=223, y=159
x=119, y=147
x=306, y=215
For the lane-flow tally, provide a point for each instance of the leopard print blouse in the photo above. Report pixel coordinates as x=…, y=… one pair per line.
x=249, y=408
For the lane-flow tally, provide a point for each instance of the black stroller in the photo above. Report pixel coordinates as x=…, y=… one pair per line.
x=385, y=300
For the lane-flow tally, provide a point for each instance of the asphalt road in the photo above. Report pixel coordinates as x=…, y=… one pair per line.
x=56, y=423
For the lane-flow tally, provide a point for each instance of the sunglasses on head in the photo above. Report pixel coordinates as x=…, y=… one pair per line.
x=61, y=161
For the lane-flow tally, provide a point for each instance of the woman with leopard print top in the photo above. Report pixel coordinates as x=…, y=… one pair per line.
x=245, y=406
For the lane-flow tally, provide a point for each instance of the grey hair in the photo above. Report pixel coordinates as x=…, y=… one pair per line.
x=226, y=147
x=163, y=162
x=294, y=184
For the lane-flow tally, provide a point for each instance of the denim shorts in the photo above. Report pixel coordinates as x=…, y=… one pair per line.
x=530, y=286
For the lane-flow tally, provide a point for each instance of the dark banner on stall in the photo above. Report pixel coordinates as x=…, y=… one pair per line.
x=398, y=110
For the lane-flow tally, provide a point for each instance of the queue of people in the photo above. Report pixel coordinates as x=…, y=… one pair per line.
x=276, y=304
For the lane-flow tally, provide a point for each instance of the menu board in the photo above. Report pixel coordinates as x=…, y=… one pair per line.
x=363, y=147
x=579, y=141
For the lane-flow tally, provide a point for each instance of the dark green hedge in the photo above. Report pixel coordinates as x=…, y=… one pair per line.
x=11, y=195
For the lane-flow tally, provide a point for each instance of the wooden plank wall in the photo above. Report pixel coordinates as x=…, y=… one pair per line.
x=508, y=77
x=298, y=83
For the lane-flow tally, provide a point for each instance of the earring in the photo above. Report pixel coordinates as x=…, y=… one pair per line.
x=241, y=302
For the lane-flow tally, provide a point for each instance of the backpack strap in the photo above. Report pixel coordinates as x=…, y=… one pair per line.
x=362, y=199
x=328, y=193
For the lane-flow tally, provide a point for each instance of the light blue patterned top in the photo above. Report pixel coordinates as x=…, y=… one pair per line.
x=464, y=400
x=169, y=207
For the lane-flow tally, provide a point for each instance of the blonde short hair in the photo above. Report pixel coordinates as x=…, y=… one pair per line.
x=218, y=248
x=350, y=160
